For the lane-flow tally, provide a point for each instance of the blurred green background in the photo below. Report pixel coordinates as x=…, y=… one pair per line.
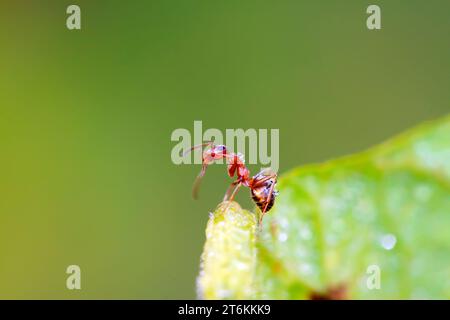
x=86, y=116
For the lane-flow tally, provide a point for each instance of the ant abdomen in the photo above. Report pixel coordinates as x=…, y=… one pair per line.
x=264, y=193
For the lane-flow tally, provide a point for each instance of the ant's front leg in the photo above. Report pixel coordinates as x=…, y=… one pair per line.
x=229, y=198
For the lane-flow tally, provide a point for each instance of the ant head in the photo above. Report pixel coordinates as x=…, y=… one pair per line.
x=214, y=153
x=209, y=155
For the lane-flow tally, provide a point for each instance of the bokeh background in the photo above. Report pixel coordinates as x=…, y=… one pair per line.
x=86, y=116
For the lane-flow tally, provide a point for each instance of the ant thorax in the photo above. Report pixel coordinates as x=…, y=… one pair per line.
x=236, y=165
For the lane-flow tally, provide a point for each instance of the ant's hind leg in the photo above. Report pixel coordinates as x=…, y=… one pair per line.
x=263, y=180
x=268, y=200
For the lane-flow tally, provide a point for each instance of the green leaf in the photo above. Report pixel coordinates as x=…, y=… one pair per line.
x=228, y=261
x=335, y=225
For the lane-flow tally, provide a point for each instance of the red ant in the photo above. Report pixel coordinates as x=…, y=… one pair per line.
x=262, y=185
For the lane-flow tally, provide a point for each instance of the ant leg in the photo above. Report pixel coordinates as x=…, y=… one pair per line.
x=271, y=190
x=227, y=194
x=260, y=182
x=268, y=199
x=232, y=195
x=234, y=192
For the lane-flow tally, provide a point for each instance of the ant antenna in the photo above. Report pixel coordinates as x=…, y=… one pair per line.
x=197, y=182
x=185, y=152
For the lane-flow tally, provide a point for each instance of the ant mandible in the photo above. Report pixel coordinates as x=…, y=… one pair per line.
x=262, y=185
